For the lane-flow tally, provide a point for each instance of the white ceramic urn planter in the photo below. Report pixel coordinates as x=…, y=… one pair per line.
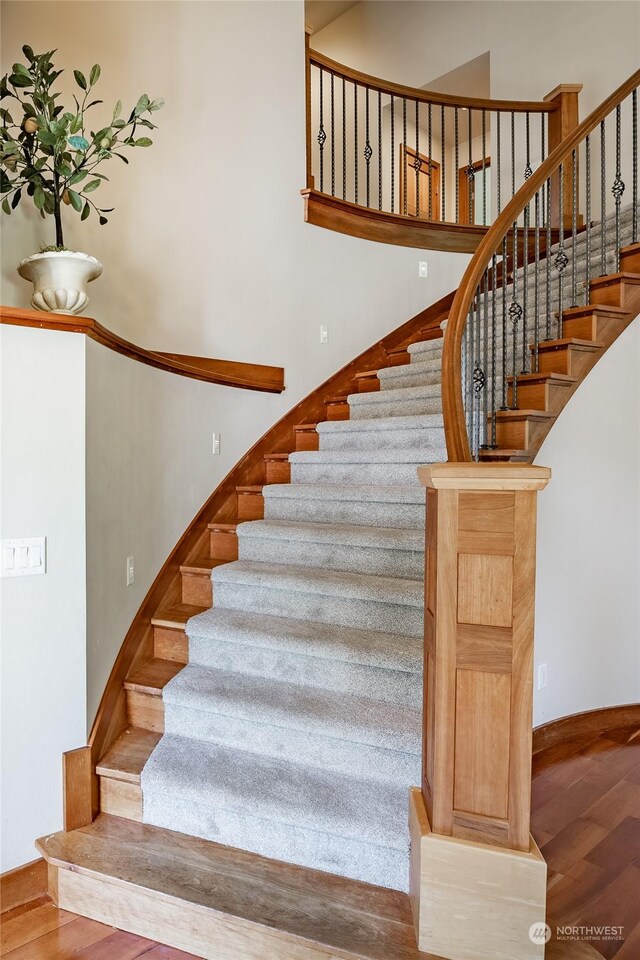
x=59, y=279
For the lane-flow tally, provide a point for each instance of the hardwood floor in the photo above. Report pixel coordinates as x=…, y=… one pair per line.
x=586, y=818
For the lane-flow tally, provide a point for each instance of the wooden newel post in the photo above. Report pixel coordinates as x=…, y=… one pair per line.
x=478, y=880
x=562, y=121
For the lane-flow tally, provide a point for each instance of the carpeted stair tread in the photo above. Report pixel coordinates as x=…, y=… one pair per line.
x=374, y=493
x=399, y=393
x=358, y=456
x=421, y=421
x=324, y=582
x=277, y=791
x=322, y=641
x=278, y=705
x=428, y=371
x=385, y=538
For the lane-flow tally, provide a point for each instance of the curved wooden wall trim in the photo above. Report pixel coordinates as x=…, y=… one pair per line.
x=228, y=373
x=221, y=507
x=324, y=210
x=589, y=723
x=427, y=96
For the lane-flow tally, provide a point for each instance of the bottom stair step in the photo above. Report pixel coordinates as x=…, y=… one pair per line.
x=288, y=811
x=221, y=903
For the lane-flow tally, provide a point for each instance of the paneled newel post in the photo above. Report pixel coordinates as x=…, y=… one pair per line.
x=562, y=122
x=478, y=880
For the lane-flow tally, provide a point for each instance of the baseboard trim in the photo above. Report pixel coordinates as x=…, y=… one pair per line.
x=590, y=722
x=23, y=884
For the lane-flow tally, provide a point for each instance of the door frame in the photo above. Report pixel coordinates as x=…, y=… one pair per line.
x=434, y=166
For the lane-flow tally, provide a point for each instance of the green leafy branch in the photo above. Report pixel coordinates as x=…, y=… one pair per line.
x=50, y=154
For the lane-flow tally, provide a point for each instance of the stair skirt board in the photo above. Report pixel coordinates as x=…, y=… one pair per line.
x=294, y=731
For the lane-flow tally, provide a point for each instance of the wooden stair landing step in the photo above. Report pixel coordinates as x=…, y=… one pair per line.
x=220, y=903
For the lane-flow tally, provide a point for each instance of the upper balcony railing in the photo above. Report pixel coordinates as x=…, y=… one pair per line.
x=409, y=166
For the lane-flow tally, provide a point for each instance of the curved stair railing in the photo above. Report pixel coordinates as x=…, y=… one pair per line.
x=408, y=165
x=525, y=324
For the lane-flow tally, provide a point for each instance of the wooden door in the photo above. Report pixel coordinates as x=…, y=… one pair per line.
x=420, y=177
x=471, y=208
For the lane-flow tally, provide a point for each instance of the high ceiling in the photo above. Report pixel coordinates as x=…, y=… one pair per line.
x=319, y=13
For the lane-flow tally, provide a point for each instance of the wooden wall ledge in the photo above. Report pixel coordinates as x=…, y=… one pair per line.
x=228, y=373
x=323, y=210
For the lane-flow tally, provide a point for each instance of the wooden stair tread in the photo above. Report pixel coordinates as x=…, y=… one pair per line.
x=271, y=906
x=276, y=456
x=499, y=453
x=305, y=426
x=254, y=489
x=222, y=527
x=177, y=615
x=152, y=676
x=568, y=342
x=522, y=415
x=365, y=374
x=630, y=247
x=610, y=278
x=128, y=754
x=342, y=399
x=539, y=377
x=592, y=308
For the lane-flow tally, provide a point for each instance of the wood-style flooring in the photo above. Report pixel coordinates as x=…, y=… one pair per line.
x=586, y=818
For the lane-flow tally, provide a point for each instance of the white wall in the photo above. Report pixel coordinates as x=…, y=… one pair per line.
x=42, y=618
x=534, y=45
x=588, y=572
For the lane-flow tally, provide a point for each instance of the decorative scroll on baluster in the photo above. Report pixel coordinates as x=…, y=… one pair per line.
x=617, y=190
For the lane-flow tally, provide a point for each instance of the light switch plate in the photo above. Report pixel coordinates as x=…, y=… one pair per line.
x=23, y=556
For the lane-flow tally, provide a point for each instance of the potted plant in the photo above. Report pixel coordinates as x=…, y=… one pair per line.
x=50, y=155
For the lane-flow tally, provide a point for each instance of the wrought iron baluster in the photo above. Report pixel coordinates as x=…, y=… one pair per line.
x=515, y=315
x=527, y=170
x=333, y=139
x=484, y=172
x=467, y=379
x=368, y=152
x=430, y=162
x=393, y=150
x=603, y=199
x=574, y=228
x=443, y=158
x=498, y=164
x=618, y=187
x=505, y=277
x=587, y=153
x=543, y=118
x=536, y=294
x=355, y=140
x=379, y=150
x=344, y=139
x=322, y=135
x=513, y=153
x=494, y=281
x=547, y=334
x=470, y=170
x=404, y=155
x=561, y=259
x=485, y=360
x=478, y=376
x=634, y=165
x=457, y=164
x=525, y=290
x=417, y=163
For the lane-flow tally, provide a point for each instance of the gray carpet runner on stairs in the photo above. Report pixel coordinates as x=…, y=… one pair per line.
x=295, y=729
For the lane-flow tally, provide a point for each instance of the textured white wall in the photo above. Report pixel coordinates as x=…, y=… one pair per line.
x=42, y=618
x=588, y=589
x=206, y=253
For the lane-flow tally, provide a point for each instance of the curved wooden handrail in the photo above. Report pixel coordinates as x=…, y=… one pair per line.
x=452, y=401
x=427, y=96
x=228, y=373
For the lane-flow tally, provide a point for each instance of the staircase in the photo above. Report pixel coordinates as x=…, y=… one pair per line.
x=280, y=712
